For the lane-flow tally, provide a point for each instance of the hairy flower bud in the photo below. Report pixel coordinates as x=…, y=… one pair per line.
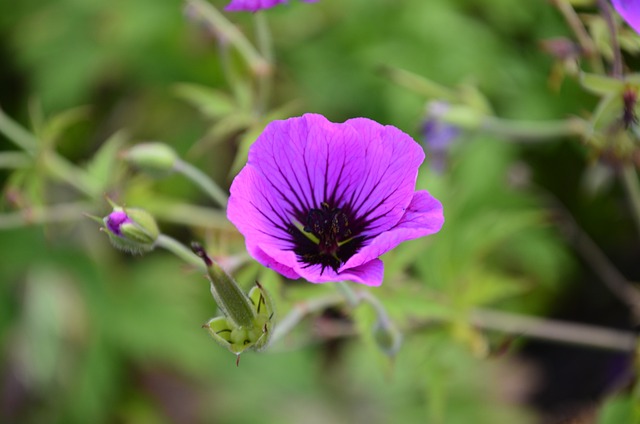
x=132, y=230
x=155, y=159
x=247, y=320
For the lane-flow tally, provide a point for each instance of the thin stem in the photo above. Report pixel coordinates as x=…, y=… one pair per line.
x=632, y=188
x=597, y=260
x=419, y=84
x=202, y=180
x=265, y=46
x=18, y=135
x=552, y=330
x=587, y=45
x=300, y=311
x=383, y=317
x=349, y=294
x=14, y=160
x=181, y=251
x=532, y=131
x=527, y=326
x=44, y=215
x=235, y=36
x=188, y=214
x=613, y=35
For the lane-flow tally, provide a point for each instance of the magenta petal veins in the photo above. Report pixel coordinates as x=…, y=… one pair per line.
x=322, y=200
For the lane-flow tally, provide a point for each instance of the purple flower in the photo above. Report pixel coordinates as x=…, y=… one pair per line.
x=115, y=220
x=255, y=5
x=630, y=12
x=323, y=201
x=438, y=135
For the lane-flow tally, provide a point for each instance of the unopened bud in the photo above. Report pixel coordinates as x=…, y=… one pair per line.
x=132, y=230
x=387, y=337
x=155, y=159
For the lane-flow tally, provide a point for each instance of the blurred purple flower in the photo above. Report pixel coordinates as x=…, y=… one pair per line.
x=438, y=135
x=115, y=220
x=322, y=200
x=630, y=12
x=255, y=5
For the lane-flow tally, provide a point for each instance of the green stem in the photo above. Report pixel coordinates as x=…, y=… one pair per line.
x=14, y=160
x=533, y=130
x=44, y=215
x=559, y=331
x=181, y=251
x=187, y=214
x=71, y=174
x=632, y=187
x=231, y=33
x=587, y=45
x=300, y=311
x=605, y=10
x=349, y=294
x=419, y=84
x=18, y=135
x=202, y=180
x=265, y=46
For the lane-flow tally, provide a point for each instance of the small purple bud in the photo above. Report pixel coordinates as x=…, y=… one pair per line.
x=115, y=221
x=438, y=135
x=132, y=229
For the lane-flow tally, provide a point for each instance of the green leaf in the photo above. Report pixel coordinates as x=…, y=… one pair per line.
x=485, y=287
x=600, y=84
x=55, y=126
x=210, y=102
x=104, y=165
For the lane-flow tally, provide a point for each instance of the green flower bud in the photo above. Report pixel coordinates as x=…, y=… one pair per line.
x=156, y=159
x=247, y=320
x=131, y=230
x=387, y=337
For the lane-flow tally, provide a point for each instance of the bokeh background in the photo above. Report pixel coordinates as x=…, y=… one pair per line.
x=91, y=334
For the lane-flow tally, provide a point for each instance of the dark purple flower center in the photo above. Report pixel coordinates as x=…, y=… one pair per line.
x=329, y=237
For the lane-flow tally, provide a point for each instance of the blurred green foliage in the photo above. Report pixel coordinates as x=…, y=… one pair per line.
x=92, y=335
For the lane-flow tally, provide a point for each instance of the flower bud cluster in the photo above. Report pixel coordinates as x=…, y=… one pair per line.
x=247, y=320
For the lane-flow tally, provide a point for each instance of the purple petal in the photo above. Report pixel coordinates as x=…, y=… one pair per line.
x=423, y=217
x=115, y=220
x=251, y=5
x=369, y=273
x=255, y=5
x=630, y=12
